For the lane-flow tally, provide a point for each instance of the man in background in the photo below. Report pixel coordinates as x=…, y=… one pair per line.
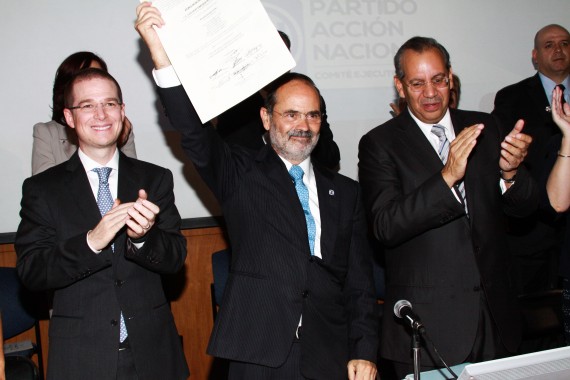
x=535, y=241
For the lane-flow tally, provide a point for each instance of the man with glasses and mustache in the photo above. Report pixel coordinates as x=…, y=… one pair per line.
x=299, y=302
x=436, y=183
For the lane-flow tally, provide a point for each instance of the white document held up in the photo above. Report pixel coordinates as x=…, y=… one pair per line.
x=223, y=51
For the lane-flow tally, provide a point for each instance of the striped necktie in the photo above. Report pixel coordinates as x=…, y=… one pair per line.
x=443, y=151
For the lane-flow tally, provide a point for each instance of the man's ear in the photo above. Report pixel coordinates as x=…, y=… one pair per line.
x=534, y=59
x=68, y=117
x=399, y=87
x=265, y=118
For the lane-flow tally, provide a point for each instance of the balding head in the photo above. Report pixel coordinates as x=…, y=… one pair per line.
x=551, y=53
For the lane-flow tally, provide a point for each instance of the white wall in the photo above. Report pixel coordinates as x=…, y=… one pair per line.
x=345, y=46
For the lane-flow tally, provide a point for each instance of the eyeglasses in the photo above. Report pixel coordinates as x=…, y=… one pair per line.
x=294, y=117
x=420, y=85
x=92, y=107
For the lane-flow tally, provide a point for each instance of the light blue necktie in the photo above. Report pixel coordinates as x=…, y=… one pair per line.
x=439, y=131
x=105, y=202
x=296, y=174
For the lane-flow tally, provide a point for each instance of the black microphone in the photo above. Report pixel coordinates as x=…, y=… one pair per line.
x=403, y=309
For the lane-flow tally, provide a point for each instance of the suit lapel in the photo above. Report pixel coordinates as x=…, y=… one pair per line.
x=415, y=142
x=127, y=191
x=536, y=94
x=284, y=193
x=80, y=192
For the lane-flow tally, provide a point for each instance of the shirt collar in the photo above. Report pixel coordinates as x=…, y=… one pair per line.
x=445, y=122
x=548, y=85
x=305, y=165
x=90, y=164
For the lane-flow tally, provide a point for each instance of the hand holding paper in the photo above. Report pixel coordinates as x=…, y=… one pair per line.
x=222, y=50
x=149, y=18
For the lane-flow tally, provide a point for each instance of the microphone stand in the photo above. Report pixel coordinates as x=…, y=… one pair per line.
x=417, y=330
x=416, y=347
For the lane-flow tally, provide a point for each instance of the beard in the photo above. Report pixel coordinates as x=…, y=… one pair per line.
x=294, y=151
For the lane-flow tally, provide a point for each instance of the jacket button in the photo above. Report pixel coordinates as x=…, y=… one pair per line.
x=305, y=294
x=476, y=288
x=119, y=283
x=113, y=322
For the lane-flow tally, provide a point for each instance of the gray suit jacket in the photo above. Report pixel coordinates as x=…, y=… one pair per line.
x=90, y=290
x=54, y=145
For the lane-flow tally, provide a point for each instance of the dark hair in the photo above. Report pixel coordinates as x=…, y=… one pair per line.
x=419, y=45
x=272, y=88
x=88, y=74
x=285, y=39
x=455, y=91
x=68, y=68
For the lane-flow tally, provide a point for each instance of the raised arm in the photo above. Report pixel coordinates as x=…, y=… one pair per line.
x=559, y=178
x=147, y=18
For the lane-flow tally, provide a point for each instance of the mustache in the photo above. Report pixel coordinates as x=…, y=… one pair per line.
x=300, y=133
x=435, y=99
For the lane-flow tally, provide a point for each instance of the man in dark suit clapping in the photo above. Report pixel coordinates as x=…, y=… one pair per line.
x=99, y=230
x=436, y=182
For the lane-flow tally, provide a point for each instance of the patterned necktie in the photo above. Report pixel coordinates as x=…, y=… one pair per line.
x=105, y=202
x=562, y=88
x=296, y=174
x=443, y=151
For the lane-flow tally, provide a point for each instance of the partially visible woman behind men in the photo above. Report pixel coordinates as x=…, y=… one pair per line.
x=54, y=141
x=558, y=190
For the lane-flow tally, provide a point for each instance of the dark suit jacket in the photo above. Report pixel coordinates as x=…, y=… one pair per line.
x=90, y=290
x=527, y=100
x=436, y=257
x=273, y=278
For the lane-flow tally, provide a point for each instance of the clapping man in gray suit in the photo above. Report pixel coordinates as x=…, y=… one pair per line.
x=99, y=230
x=299, y=302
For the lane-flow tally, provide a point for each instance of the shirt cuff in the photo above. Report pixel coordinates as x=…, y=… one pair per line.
x=457, y=196
x=137, y=245
x=166, y=77
x=503, y=186
x=95, y=251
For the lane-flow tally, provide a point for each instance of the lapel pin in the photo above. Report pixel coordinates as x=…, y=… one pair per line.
x=331, y=192
x=547, y=109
